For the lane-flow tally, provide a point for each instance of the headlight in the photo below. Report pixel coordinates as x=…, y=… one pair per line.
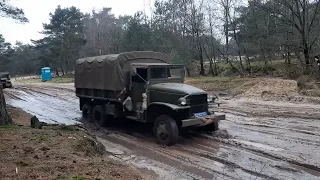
x=182, y=101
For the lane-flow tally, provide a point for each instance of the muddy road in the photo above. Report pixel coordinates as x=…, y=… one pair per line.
x=258, y=140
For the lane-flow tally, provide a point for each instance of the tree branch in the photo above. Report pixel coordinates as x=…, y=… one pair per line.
x=314, y=41
x=314, y=16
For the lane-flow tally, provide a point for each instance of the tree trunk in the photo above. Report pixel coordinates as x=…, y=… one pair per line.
x=4, y=117
x=215, y=66
x=200, y=51
x=226, y=28
x=307, y=57
x=288, y=58
x=62, y=70
x=211, y=68
x=238, y=44
x=209, y=57
x=201, y=63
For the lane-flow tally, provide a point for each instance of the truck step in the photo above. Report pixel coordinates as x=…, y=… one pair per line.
x=135, y=119
x=132, y=118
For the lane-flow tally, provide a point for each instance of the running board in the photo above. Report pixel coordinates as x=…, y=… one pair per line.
x=135, y=119
x=132, y=118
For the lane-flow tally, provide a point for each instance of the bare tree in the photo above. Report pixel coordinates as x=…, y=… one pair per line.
x=226, y=6
x=229, y=25
x=303, y=17
x=197, y=32
x=210, y=40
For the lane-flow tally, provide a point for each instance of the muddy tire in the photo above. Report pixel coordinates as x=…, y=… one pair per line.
x=99, y=116
x=87, y=112
x=166, y=130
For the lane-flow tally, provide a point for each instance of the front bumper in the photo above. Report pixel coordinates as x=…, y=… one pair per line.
x=203, y=121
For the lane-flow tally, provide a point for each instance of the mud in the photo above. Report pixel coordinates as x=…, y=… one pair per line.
x=258, y=140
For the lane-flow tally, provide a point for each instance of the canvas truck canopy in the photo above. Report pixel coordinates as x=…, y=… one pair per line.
x=112, y=72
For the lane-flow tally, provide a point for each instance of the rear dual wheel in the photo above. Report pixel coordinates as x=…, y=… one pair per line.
x=166, y=130
x=95, y=114
x=99, y=115
x=87, y=112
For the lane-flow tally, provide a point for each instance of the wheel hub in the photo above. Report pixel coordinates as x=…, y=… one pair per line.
x=162, y=131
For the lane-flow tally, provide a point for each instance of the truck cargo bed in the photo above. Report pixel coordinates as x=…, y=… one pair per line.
x=98, y=94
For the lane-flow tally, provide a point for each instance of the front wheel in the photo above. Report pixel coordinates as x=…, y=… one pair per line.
x=166, y=130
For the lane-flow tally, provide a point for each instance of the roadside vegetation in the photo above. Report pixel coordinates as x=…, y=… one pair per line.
x=224, y=37
x=55, y=152
x=230, y=85
x=215, y=39
x=37, y=79
x=234, y=85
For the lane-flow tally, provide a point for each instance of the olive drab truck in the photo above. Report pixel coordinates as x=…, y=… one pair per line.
x=142, y=86
x=5, y=80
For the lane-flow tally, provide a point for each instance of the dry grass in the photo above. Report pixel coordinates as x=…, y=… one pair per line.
x=274, y=89
x=54, y=80
x=272, y=86
x=308, y=86
x=232, y=85
x=258, y=88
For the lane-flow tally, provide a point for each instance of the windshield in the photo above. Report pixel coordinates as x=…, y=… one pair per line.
x=167, y=72
x=4, y=76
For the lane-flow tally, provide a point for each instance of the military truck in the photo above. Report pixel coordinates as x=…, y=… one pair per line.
x=5, y=80
x=142, y=86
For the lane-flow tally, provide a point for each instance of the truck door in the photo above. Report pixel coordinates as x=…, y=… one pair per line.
x=138, y=87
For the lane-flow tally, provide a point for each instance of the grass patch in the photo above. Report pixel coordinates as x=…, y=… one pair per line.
x=54, y=80
x=43, y=138
x=308, y=86
x=67, y=128
x=90, y=147
x=276, y=68
x=79, y=178
x=227, y=84
x=62, y=80
x=9, y=127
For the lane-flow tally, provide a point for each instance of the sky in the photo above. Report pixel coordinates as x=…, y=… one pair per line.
x=37, y=11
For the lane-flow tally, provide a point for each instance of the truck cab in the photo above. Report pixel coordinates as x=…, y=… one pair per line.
x=5, y=80
x=158, y=95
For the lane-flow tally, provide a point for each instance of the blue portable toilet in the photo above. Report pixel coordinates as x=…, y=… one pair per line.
x=46, y=74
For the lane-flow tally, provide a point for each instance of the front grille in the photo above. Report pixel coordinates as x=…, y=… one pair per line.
x=197, y=103
x=199, y=108
x=197, y=99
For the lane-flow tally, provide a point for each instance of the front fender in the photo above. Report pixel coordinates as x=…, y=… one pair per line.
x=169, y=105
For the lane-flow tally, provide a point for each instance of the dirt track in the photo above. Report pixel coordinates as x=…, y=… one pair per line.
x=259, y=140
